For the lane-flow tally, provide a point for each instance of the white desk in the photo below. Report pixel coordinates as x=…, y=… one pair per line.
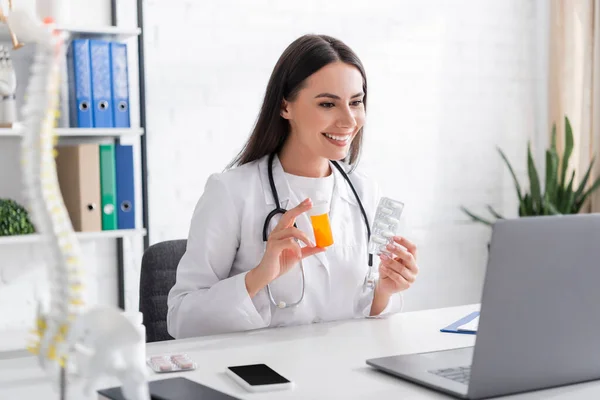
x=327, y=361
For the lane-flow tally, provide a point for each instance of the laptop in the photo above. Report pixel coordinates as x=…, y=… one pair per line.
x=539, y=323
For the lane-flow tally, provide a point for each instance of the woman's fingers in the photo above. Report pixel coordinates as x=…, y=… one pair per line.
x=289, y=244
x=289, y=217
x=309, y=251
x=410, y=246
x=401, y=267
x=292, y=232
x=393, y=275
x=398, y=268
x=405, y=257
x=301, y=252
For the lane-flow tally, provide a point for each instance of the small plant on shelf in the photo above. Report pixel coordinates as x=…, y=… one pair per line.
x=14, y=219
x=559, y=196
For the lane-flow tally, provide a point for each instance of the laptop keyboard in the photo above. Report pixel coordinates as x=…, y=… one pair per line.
x=458, y=374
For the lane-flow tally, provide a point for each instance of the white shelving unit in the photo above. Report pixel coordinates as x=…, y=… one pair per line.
x=94, y=132
x=86, y=135
x=114, y=32
x=81, y=132
x=35, y=238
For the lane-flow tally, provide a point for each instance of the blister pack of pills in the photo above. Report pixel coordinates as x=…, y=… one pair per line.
x=171, y=363
x=386, y=225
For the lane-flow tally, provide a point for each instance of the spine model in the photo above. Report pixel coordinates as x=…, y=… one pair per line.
x=70, y=340
x=42, y=191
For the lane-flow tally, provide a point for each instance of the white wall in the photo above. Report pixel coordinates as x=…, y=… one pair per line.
x=448, y=81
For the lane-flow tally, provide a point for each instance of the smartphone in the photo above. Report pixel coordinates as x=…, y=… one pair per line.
x=258, y=378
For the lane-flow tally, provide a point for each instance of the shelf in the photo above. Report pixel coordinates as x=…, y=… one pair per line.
x=81, y=132
x=11, y=132
x=95, y=132
x=82, y=236
x=113, y=32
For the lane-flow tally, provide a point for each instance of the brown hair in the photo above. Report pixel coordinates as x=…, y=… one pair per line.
x=302, y=58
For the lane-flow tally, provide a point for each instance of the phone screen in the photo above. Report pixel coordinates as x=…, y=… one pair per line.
x=258, y=374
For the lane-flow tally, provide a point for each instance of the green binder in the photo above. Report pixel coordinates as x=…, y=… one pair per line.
x=108, y=187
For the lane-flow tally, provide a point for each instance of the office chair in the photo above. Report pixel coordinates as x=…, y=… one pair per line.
x=157, y=277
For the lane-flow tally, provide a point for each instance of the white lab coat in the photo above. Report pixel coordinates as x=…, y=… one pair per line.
x=225, y=242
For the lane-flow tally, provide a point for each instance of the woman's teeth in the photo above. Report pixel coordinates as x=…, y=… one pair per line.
x=337, y=138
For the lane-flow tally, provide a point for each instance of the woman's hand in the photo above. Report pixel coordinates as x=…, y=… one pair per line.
x=282, y=251
x=398, y=273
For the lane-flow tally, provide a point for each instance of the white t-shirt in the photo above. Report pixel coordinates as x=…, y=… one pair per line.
x=318, y=189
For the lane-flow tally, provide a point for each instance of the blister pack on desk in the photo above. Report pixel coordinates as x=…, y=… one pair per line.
x=171, y=363
x=386, y=225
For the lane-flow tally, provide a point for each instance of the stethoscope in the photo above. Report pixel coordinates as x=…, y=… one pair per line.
x=369, y=282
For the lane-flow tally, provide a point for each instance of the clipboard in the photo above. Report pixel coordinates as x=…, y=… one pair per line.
x=453, y=328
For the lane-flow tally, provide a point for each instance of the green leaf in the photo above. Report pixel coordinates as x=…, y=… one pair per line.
x=476, y=218
x=494, y=213
x=14, y=219
x=551, y=186
x=552, y=210
x=534, y=180
x=567, y=151
x=583, y=182
x=570, y=196
x=556, y=194
x=560, y=197
x=591, y=190
x=516, y=181
x=527, y=206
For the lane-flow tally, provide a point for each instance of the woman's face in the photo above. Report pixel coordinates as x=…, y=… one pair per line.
x=328, y=112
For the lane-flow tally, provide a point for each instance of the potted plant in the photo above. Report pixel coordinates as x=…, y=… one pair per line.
x=14, y=219
x=559, y=196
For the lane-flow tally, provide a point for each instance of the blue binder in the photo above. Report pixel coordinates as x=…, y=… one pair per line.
x=101, y=84
x=80, y=84
x=453, y=327
x=125, y=187
x=120, y=84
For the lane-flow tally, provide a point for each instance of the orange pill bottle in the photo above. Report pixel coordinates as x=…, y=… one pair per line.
x=319, y=218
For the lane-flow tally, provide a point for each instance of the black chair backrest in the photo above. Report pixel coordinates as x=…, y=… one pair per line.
x=158, y=274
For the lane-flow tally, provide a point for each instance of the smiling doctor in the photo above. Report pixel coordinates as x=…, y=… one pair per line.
x=251, y=260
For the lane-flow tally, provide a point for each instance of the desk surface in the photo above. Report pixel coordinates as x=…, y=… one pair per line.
x=326, y=361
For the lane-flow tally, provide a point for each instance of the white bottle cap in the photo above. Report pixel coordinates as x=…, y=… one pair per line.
x=318, y=208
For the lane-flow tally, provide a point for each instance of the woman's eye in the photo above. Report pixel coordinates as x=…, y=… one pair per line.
x=356, y=103
x=326, y=105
